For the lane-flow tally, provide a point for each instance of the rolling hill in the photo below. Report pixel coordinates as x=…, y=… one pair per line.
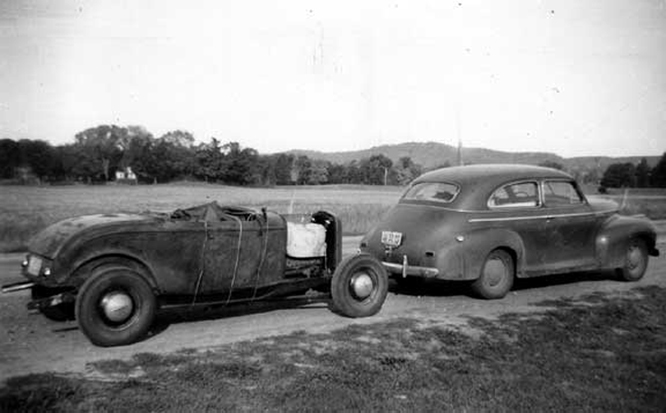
x=430, y=155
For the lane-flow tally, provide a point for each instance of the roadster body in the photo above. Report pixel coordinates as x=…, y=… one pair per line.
x=113, y=272
x=489, y=224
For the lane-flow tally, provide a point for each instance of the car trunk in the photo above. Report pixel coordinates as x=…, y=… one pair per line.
x=422, y=229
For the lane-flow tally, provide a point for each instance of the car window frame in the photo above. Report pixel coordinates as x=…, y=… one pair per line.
x=434, y=201
x=573, y=183
x=539, y=197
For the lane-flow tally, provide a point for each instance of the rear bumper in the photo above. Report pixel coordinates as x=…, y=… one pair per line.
x=412, y=270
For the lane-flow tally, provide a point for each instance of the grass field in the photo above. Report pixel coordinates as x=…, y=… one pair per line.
x=24, y=210
x=595, y=353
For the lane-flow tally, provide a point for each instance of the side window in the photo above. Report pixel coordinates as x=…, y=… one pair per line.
x=519, y=195
x=557, y=193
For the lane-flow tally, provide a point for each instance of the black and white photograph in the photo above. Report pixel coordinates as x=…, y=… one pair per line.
x=395, y=206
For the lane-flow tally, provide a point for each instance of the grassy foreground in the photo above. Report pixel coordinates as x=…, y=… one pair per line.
x=598, y=353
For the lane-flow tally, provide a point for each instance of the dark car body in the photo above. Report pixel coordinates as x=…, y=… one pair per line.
x=114, y=271
x=450, y=220
x=185, y=253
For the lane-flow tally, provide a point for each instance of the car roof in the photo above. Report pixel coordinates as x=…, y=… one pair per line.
x=498, y=173
x=478, y=181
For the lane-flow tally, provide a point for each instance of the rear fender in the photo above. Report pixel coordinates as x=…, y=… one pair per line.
x=478, y=244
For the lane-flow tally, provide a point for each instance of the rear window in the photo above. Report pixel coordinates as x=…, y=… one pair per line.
x=432, y=191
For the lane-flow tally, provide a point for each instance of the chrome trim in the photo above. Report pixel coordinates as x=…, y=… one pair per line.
x=580, y=214
x=23, y=285
x=410, y=269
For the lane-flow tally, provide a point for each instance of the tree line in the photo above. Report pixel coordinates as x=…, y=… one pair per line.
x=640, y=175
x=98, y=153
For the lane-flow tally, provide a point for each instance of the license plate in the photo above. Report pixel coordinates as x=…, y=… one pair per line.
x=34, y=265
x=391, y=238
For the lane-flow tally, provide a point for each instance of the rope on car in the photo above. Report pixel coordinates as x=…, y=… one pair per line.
x=203, y=263
x=263, y=255
x=238, y=252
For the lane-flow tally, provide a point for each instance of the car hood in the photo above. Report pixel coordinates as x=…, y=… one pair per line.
x=600, y=205
x=48, y=242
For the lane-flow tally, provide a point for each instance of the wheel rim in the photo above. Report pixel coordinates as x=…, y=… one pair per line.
x=495, y=272
x=117, y=306
x=362, y=285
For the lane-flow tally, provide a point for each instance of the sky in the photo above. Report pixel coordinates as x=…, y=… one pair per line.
x=573, y=77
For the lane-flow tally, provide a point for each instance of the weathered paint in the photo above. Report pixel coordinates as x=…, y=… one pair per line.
x=203, y=254
x=455, y=238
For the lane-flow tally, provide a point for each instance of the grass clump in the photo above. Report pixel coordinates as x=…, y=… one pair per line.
x=597, y=353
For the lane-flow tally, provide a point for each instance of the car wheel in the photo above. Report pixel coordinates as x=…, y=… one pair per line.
x=635, y=261
x=60, y=312
x=359, y=286
x=496, y=277
x=115, y=306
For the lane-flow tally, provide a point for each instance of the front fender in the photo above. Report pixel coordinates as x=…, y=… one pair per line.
x=613, y=239
x=469, y=254
x=87, y=267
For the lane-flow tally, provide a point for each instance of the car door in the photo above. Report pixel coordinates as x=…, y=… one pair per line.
x=570, y=226
x=233, y=248
x=517, y=208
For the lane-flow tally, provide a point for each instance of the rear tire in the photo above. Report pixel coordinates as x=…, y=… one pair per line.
x=115, y=306
x=635, y=261
x=497, y=275
x=359, y=286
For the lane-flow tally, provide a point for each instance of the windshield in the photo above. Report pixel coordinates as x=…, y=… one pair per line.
x=432, y=191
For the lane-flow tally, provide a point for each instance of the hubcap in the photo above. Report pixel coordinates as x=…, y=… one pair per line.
x=362, y=285
x=495, y=272
x=117, y=306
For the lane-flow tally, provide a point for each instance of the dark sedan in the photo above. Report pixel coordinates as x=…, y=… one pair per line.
x=492, y=223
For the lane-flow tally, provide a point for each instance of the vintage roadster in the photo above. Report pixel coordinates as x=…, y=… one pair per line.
x=113, y=272
x=489, y=224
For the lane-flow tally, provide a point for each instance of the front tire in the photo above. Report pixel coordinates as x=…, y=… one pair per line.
x=635, y=261
x=359, y=286
x=497, y=275
x=115, y=306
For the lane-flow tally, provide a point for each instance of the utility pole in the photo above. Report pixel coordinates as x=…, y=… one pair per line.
x=461, y=161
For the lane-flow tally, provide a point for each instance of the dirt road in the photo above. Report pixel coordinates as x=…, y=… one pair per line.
x=30, y=344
